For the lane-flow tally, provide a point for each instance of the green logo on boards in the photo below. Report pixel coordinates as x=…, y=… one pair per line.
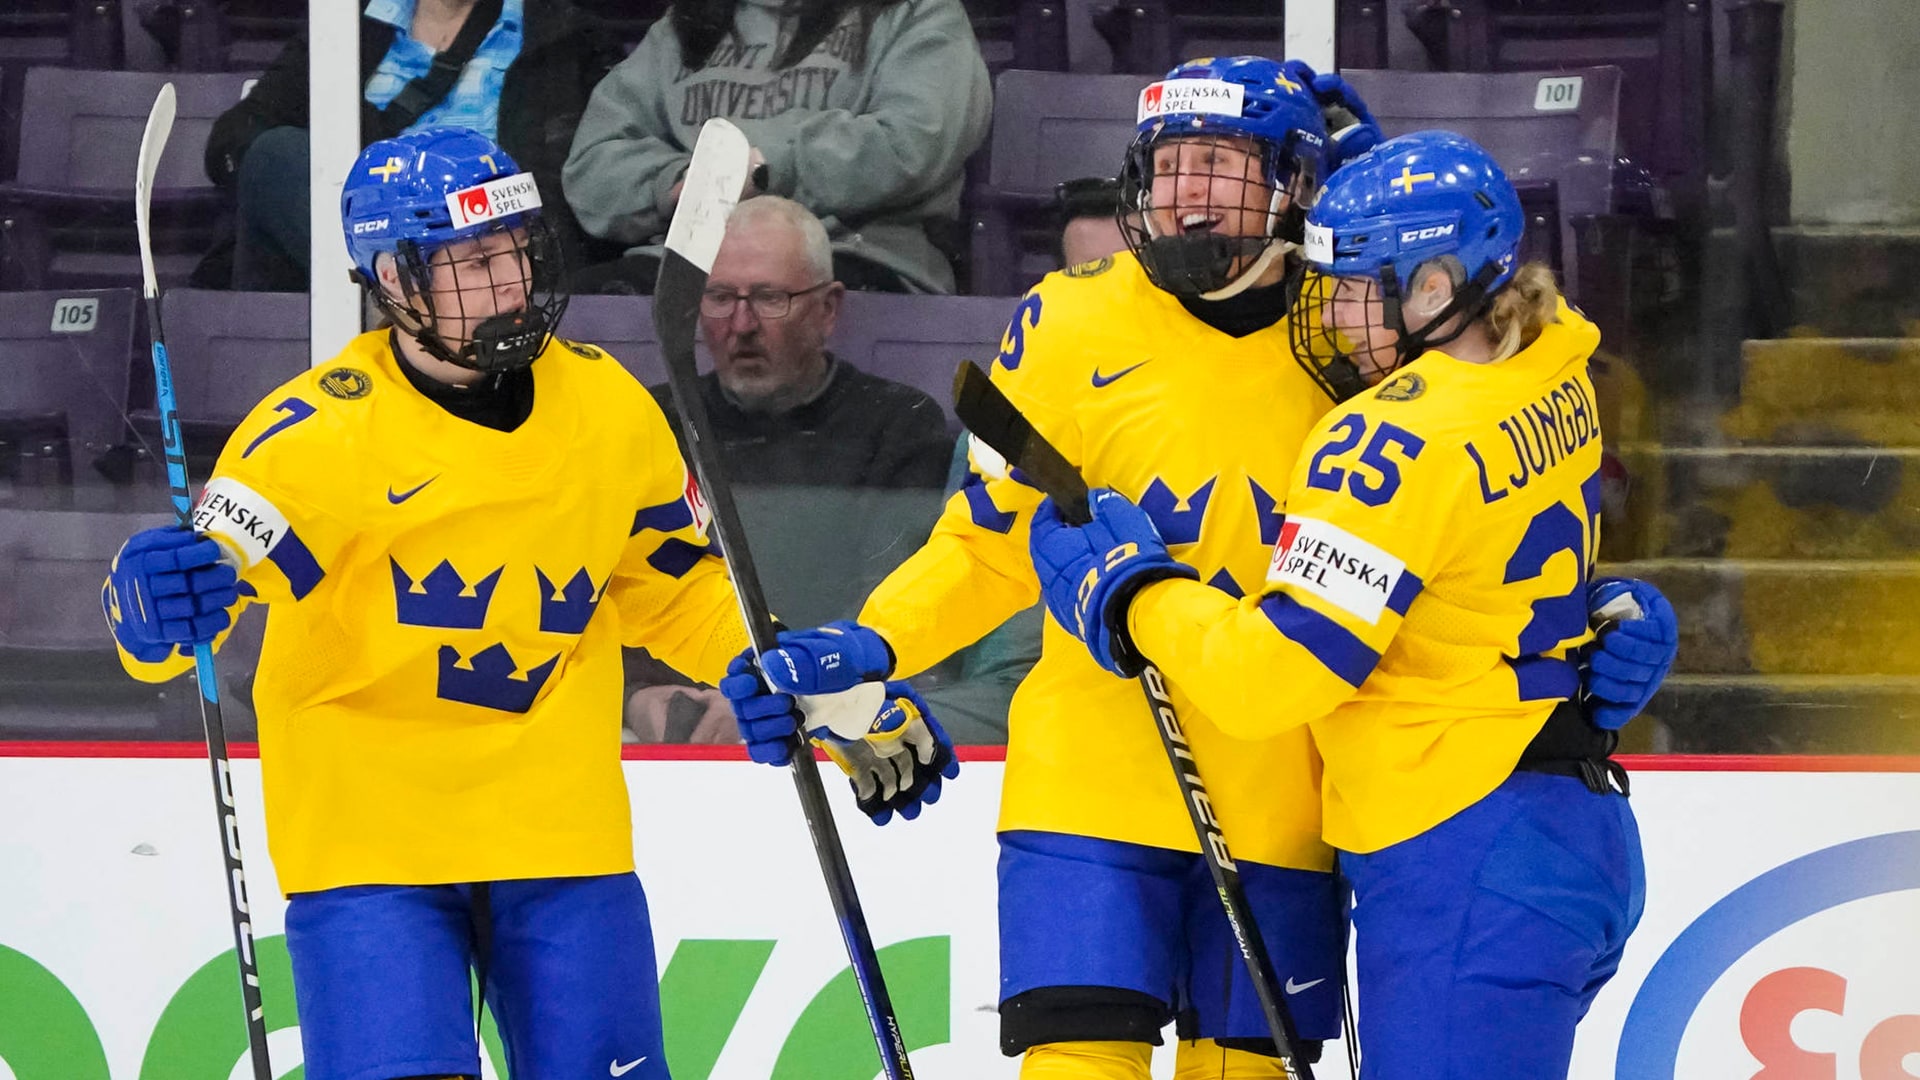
x=46, y=1034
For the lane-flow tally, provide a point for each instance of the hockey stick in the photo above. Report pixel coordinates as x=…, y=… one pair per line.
x=714, y=179
x=997, y=422
x=152, y=144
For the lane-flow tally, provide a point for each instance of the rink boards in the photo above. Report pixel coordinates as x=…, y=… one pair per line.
x=1782, y=926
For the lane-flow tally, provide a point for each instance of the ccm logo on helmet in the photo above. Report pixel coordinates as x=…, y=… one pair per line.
x=363, y=227
x=1431, y=232
x=494, y=199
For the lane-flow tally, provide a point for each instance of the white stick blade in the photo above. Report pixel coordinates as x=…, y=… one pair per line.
x=153, y=143
x=714, y=178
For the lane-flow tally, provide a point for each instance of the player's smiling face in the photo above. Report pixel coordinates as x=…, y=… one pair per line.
x=1213, y=183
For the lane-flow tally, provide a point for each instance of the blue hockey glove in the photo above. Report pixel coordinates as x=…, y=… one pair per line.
x=1351, y=128
x=168, y=587
x=1638, y=639
x=882, y=735
x=768, y=719
x=826, y=660
x=1089, y=573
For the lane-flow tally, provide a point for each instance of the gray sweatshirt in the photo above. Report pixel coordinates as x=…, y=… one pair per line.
x=876, y=151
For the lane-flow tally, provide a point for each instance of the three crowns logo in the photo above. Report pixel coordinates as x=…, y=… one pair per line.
x=487, y=680
x=566, y=611
x=443, y=598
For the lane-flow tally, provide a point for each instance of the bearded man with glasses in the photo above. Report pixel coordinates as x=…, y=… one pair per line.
x=838, y=471
x=786, y=410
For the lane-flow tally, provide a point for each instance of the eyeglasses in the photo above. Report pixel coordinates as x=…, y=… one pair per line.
x=766, y=303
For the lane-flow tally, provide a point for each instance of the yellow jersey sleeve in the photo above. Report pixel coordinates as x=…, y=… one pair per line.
x=974, y=572
x=265, y=500
x=671, y=586
x=1356, y=548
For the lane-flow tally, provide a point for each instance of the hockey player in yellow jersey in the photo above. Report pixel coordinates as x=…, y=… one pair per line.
x=455, y=525
x=1424, y=613
x=1161, y=371
x=1165, y=373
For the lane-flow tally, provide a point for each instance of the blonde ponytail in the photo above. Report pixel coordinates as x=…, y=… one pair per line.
x=1522, y=308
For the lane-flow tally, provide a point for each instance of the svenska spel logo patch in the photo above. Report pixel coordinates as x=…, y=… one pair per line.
x=494, y=199
x=245, y=520
x=1333, y=564
x=1174, y=96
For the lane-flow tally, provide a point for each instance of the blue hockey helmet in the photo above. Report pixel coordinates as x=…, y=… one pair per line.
x=1248, y=102
x=412, y=196
x=1410, y=201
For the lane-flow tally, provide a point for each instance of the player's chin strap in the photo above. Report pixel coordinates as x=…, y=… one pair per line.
x=500, y=343
x=1285, y=231
x=1273, y=252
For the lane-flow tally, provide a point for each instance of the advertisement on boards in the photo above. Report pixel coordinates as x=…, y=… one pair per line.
x=1781, y=939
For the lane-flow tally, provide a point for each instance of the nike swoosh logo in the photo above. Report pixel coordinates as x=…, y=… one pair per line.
x=617, y=1069
x=400, y=497
x=1295, y=988
x=1100, y=380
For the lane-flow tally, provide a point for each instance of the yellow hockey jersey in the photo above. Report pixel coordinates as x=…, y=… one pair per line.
x=1426, y=594
x=1201, y=429
x=440, y=685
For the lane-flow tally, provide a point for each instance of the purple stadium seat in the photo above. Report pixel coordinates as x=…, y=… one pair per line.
x=920, y=340
x=1663, y=47
x=228, y=350
x=59, y=675
x=74, y=33
x=225, y=35
x=1151, y=36
x=623, y=326
x=1558, y=126
x=71, y=202
x=63, y=362
x=9, y=121
x=1047, y=127
x=1029, y=34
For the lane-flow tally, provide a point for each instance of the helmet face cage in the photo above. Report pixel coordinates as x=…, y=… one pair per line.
x=1191, y=256
x=1342, y=366
x=1323, y=323
x=488, y=302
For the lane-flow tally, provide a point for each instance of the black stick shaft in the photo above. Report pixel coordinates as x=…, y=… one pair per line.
x=211, y=721
x=676, y=307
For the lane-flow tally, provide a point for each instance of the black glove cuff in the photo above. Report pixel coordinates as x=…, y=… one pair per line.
x=1125, y=653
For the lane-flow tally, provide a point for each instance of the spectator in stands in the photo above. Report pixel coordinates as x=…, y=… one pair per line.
x=518, y=71
x=787, y=413
x=1089, y=213
x=785, y=409
x=863, y=112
